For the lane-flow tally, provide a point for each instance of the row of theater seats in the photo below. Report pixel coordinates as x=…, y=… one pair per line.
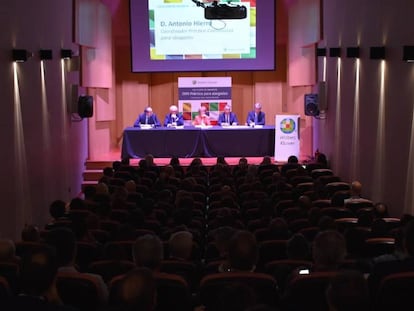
x=177, y=290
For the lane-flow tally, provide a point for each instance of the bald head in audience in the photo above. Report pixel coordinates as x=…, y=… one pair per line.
x=180, y=245
x=136, y=291
x=148, y=251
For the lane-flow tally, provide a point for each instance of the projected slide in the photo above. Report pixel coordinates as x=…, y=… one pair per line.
x=179, y=30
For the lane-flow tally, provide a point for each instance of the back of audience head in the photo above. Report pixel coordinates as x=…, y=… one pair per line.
x=409, y=238
x=180, y=245
x=381, y=210
x=279, y=229
x=148, y=251
x=30, y=233
x=77, y=204
x=135, y=291
x=63, y=240
x=293, y=159
x=243, y=251
x=328, y=250
x=38, y=272
x=298, y=247
x=57, y=209
x=348, y=291
x=7, y=250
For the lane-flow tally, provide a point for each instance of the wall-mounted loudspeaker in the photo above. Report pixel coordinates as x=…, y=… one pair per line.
x=85, y=106
x=311, y=105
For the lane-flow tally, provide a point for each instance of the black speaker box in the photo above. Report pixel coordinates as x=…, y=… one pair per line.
x=85, y=106
x=311, y=105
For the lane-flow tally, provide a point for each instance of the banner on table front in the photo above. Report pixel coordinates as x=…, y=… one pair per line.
x=212, y=92
x=287, y=140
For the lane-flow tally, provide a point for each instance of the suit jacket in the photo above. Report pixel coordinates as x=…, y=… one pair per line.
x=179, y=119
x=151, y=120
x=260, y=118
x=222, y=118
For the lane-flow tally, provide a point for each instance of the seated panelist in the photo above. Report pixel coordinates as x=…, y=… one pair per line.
x=148, y=117
x=202, y=118
x=227, y=117
x=256, y=116
x=173, y=118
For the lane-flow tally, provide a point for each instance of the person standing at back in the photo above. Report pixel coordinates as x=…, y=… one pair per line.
x=256, y=116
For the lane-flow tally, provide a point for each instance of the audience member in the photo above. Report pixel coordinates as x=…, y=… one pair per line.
x=30, y=233
x=7, y=251
x=202, y=118
x=37, y=284
x=298, y=247
x=135, y=291
x=63, y=240
x=227, y=117
x=173, y=118
x=148, y=117
x=356, y=194
x=180, y=245
x=292, y=163
x=328, y=250
x=401, y=264
x=348, y=291
x=242, y=252
x=148, y=251
x=256, y=116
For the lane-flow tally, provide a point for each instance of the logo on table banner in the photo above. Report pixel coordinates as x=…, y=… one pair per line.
x=287, y=126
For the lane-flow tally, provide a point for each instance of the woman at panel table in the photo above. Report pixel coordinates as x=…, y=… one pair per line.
x=227, y=117
x=202, y=118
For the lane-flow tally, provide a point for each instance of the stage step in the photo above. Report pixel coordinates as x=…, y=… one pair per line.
x=92, y=175
x=97, y=165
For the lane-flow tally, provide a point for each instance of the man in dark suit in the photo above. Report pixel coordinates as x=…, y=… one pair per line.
x=227, y=117
x=147, y=117
x=174, y=118
x=256, y=116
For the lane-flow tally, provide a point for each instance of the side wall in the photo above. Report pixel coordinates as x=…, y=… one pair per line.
x=43, y=149
x=368, y=132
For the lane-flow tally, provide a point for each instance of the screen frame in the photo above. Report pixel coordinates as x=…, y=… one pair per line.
x=140, y=41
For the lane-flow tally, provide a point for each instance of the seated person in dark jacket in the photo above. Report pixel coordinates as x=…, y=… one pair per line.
x=147, y=117
x=256, y=116
x=173, y=118
x=227, y=117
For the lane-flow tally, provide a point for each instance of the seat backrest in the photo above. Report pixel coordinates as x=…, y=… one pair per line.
x=5, y=290
x=173, y=292
x=108, y=269
x=79, y=290
x=10, y=271
x=307, y=292
x=395, y=292
x=188, y=270
x=264, y=286
x=281, y=269
x=379, y=246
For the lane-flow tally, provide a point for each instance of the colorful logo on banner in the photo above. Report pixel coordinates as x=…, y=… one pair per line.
x=287, y=126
